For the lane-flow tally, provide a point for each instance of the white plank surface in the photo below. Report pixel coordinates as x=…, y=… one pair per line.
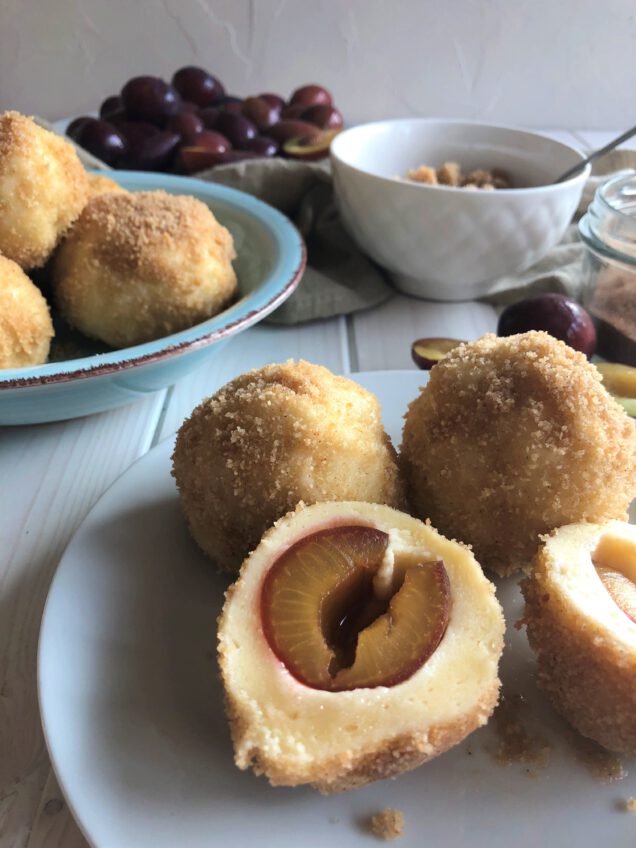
x=382, y=336
x=52, y=475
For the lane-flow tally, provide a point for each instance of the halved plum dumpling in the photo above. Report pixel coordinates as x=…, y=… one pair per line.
x=356, y=644
x=581, y=621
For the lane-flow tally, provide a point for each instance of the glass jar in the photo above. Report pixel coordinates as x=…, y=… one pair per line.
x=608, y=230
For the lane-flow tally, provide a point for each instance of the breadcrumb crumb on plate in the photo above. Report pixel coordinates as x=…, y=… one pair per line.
x=388, y=824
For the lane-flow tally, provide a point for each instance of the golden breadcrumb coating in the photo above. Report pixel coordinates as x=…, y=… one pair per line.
x=511, y=438
x=26, y=328
x=138, y=266
x=101, y=184
x=296, y=734
x=43, y=188
x=271, y=438
x=585, y=643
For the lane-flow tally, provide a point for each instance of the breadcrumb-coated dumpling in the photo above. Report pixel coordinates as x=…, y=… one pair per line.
x=584, y=632
x=271, y=438
x=511, y=438
x=295, y=733
x=26, y=328
x=43, y=188
x=138, y=266
x=101, y=184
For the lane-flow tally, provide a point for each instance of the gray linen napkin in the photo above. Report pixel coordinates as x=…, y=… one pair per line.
x=339, y=278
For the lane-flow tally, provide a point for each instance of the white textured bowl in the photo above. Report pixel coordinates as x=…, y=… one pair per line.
x=451, y=243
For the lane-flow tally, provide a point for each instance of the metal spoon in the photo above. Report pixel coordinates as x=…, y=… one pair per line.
x=601, y=152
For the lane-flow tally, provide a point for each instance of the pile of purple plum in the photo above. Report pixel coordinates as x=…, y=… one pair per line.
x=191, y=124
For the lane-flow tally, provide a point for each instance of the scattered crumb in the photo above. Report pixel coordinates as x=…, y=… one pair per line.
x=516, y=743
x=387, y=824
x=606, y=766
x=630, y=805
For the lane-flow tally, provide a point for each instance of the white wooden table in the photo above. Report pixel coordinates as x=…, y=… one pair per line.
x=51, y=475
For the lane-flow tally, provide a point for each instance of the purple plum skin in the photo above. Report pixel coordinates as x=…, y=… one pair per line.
x=557, y=314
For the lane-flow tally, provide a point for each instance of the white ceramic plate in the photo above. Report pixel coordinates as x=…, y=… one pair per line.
x=133, y=714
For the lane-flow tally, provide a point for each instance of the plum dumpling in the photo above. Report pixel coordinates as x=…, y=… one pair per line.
x=356, y=644
x=580, y=618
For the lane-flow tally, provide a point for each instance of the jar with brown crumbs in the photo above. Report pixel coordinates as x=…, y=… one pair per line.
x=608, y=230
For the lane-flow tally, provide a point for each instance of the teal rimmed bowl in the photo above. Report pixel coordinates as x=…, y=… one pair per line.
x=270, y=261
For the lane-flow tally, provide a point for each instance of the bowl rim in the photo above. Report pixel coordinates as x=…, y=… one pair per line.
x=501, y=193
x=292, y=266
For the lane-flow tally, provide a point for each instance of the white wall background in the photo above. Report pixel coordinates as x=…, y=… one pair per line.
x=540, y=63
